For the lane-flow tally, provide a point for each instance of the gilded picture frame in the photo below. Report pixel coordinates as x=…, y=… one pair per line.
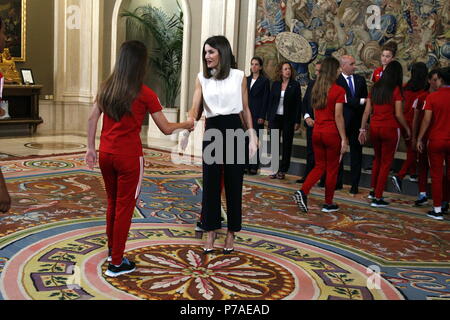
x=13, y=14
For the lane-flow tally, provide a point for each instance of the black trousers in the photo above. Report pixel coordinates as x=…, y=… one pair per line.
x=309, y=152
x=356, y=154
x=257, y=165
x=286, y=127
x=233, y=175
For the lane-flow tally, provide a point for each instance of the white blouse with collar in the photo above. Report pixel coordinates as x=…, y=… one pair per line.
x=222, y=97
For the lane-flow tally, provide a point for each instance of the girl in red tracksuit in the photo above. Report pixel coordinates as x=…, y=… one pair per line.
x=329, y=138
x=388, y=52
x=437, y=118
x=386, y=102
x=415, y=87
x=124, y=100
x=423, y=156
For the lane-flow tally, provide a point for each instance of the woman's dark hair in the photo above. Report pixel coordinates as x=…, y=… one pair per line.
x=429, y=77
x=383, y=89
x=432, y=73
x=280, y=68
x=261, y=63
x=418, y=81
x=327, y=77
x=221, y=44
x=123, y=86
x=444, y=74
x=233, y=62
x=390, y=46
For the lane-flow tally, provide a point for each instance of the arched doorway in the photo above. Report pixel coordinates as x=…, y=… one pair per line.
x=118, y=36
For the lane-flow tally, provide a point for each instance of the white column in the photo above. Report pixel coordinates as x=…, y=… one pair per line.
x=251, y=32
x=77, y=68
x=221, y=17
x=184, y=94
x=77, y=49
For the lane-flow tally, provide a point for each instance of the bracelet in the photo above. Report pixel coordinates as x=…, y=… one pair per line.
x=362, y=130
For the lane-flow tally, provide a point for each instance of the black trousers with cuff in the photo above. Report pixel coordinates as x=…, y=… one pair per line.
x=233, y=171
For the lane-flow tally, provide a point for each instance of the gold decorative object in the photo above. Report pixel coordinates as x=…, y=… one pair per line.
x=14, y=14
x=8, y=68
x=294, y=47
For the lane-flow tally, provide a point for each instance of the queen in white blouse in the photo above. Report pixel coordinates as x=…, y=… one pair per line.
x=222, y=92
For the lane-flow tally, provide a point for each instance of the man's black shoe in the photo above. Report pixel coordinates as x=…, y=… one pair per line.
x=354, y=190
x=301, y=180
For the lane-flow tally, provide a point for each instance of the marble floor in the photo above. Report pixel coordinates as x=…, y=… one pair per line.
x=60, y=143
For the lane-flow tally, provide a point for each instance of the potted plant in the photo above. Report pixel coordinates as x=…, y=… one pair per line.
x=165, y=37
x=167, y=53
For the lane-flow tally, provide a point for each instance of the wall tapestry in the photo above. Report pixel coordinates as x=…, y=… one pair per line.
x=305, y=31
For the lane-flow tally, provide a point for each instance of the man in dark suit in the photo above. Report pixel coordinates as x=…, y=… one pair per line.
x=356, y=89
x=308, y=116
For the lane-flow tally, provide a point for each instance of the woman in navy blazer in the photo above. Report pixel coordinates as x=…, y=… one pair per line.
x=258, y=97
x=284, y=113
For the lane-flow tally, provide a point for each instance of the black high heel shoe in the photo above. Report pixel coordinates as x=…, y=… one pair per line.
x=207, y=251
x=227, y=251
x=211, y=234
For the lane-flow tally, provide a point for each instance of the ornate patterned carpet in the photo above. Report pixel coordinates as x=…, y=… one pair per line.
x=53, y=242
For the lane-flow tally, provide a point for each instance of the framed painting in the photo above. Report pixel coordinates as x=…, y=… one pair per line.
x=13, y=14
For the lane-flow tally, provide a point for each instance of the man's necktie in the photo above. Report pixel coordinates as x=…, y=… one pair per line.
x=350, y=85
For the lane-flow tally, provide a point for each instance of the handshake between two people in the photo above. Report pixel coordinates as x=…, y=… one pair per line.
x=190, y=126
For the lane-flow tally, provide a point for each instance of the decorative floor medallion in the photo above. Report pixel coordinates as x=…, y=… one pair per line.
x=171, y=265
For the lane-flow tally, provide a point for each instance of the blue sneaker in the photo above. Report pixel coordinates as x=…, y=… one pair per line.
x=422, y=201
x=125, y=267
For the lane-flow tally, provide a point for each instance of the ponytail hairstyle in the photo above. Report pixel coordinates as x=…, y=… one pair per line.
x=123, y=86
x=383, y=89
x=418, y=81
x=444, y=75
x=326, y=78
x=390, y=46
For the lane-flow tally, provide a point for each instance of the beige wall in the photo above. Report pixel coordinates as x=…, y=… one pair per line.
x=242, y=41
x=196, y=46
x=107, y=25
x=39, y=43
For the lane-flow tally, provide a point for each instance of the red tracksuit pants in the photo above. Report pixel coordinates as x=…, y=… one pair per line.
x=122, y=176
x=439, y=157
x=423, y=167
x=410, y=164
x=385, y=143
x=327, y=156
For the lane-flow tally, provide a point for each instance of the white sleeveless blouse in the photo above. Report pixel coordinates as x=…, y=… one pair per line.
x=222, y=97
